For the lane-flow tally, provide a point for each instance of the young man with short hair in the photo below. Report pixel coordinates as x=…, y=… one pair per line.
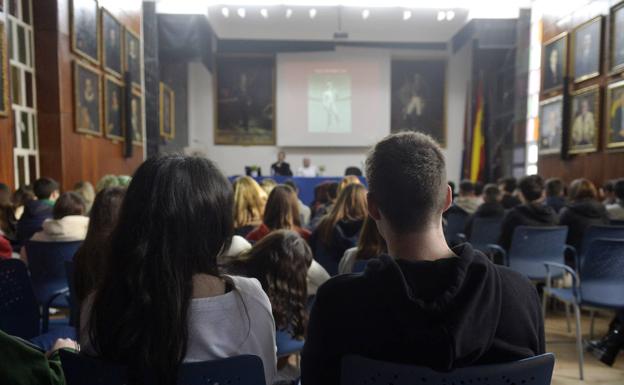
x=467, y=199
x=555, y=190
x=37, y=211
x=423, y=303
x=491, y=207
x=508, y=187
x=533, y=212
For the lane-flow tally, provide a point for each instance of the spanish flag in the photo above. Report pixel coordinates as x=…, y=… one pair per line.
x=477, y=148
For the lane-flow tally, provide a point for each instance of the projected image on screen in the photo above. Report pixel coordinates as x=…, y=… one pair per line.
x=329, y=102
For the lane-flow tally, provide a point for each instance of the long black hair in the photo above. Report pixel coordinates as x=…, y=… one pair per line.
x=174, y=221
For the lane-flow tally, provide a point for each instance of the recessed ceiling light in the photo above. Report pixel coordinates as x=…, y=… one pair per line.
x=407, y=15
x=365, y=14
x=450, y=15
x=265, y=13
x=225, y=11
x=312, y=13
x=289, y=13
x=441, y=15
x=241, y=13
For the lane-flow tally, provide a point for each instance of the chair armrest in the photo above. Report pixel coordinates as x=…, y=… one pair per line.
x=57, y=294
x=496, y=249
x=575, y=279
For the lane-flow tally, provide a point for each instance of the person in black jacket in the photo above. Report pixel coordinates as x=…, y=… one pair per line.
x=491, y=207
x=36, y=211
x=583, y=211
x=423, y=303
x=281, y=167
x=531, y=213
x=508, y=188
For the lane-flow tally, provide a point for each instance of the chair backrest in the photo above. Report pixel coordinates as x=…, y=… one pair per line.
x=46, y=262
x=485, y=231
x=617, y=222
x=19, y=312
x=602, y=273
x=73, y=304
x=239, y=370
x=455, y=223
x=531, y=371
x=532, y=246
x=599, y=231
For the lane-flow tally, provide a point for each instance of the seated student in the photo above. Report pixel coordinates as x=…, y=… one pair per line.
x=347, y=180
x=281, y=167
x=36, y=211
x=87, y=192
x=340, y=229
x=467, y=200
x=555, y=194
x=19, y=199
x=68, y=222
x=163, y=300
x=370, y=245
x=318, y=213
x=508, y=188
x=491, y=207
x=249, y=202
x=608, y=193
x=281, y=213
x=91, y=258
x=423, y=304
x=582, y=211
x=304, y=211
x=8, y=222
x=532, y=213
x=267, y=185
x=616, y=210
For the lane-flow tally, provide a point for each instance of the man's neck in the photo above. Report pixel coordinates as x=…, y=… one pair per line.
x=427, y=245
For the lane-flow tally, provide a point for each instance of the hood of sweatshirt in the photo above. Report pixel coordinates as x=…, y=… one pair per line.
x=588, y=208
x=452, y=304
x=538, y=212
x=71, y=227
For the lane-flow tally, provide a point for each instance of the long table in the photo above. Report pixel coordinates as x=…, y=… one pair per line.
x=305, y=185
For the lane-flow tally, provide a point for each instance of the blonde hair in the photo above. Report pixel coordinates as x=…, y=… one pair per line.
x=351, y=205
x=347, y=180
x=249, y=201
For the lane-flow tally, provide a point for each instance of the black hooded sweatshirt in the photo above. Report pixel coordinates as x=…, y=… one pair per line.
x=530, y=214
x=443, y=314
x=578, y=216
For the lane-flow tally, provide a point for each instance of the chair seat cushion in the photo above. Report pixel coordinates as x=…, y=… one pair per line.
x=604, y=293
x=532, y=269
x=564, y=295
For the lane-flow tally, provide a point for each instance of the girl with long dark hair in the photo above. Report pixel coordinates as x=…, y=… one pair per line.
x=163, y=300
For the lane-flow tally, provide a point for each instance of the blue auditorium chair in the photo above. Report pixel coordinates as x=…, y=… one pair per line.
x=485, y=231
x=19, y=311
x=456, y=219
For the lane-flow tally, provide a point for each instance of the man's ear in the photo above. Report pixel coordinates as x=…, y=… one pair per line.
x=449, y=198
x=373, y=208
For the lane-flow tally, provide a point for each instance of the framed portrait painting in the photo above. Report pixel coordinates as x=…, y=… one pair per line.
x=136, y=117
x=584, y=120
x=132, y=56
x=4, y=80
x=554, y=63
x=617, y=38
x=167, y=112
x=587, y=50
x=418, y=97
x=87, y=103
x=111, y=43
x=551, y=123
x=245, y=90
x=85, y=29
x=113, y=108
x=615, y=115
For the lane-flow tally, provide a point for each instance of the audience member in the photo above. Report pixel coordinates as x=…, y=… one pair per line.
x=107, y=181
x=582, y=211
x=163, y=300
x=616, y=210
x=36, y=211
x=347, y=180
x=268, y=184
x=90, y=261
x=608, y=193
x=340, y=229
x=467, y=200
x=330, y=189
x=304, y=211
x=281, y=213
x=87, y=192
x=352, y=170
x=249, y=202
x=20, y=197
x=124, y=180
x=532, y=213
x=555, y=194
x=308, y=170
x=370, y=245
x=281, y=167
x=8, y=223
x=478, y=190
x=422, y=304
x=68, y=222
x=491, y=207
x=508, y=188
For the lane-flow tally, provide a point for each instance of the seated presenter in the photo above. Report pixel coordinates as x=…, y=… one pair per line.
x=281, y=168
x=308, y=169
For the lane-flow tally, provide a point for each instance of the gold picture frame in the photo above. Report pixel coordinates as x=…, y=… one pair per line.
x=105, y=13
x=135, y=72
x=84, y=114
x=581, y=125
x=4, y=81
x=552, y=143
x=590, y=74
x=167, y=119
x=614, y=13
x=613, y=114
x=120, y=136
x=562, y=39
x=93, y=20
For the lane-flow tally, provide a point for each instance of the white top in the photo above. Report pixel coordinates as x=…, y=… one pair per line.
x=238, y=246
x=309, y=172
x=347, y=261
x=67, y=229
x=305, y=213
x=616, y=211
x=317, y=275
x=235, y=323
